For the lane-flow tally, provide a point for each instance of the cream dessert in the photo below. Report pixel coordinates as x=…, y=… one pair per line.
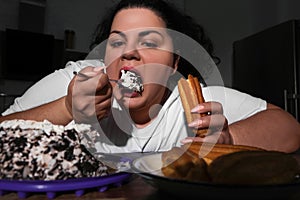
x=131, y=81
x=31, y=150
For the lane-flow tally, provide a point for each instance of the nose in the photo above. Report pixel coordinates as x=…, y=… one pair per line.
x=130, y=54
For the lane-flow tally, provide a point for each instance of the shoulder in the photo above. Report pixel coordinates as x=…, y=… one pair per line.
x=237, y=105
x=80, y=64
x=222, y=92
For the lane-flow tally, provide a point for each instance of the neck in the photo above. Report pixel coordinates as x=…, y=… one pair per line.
x=144, y=117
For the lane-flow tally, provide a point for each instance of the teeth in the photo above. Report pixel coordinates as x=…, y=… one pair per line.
x=131, y=81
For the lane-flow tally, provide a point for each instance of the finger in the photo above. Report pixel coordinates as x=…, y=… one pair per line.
x=89, y=73
x=104, y=89
x=217, y=121
x=209, y=139
x=84, y=74
x=103, y=109
x=88, y=86
x=103, y=105
x=209, y=121
x=190, y=139
x=98, y=86
x=208, y=107
x=214, y=138
x=92, y=71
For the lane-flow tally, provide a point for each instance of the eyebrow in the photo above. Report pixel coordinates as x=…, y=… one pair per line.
x=117, y=32
x=141, y=34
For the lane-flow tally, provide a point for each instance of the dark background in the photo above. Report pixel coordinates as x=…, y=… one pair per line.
x=225, y=22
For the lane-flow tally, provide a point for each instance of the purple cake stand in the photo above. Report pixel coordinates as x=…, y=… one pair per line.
x=51, y=188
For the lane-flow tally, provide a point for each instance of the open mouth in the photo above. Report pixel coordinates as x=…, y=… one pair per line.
x=132, y=81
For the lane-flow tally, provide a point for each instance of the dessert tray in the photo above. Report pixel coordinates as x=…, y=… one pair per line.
x=149, y=168
x=52, y=188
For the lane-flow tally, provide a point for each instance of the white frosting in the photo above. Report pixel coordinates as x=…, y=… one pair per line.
x=45, y=125
x=131, y=81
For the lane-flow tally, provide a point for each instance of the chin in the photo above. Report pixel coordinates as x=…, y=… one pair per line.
x=133, y=104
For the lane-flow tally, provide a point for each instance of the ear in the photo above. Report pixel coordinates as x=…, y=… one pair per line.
x=175, y=64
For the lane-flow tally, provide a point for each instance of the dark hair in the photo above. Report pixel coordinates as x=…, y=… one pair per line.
x=174, y=19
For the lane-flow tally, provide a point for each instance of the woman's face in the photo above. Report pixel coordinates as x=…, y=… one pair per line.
x=139, y=41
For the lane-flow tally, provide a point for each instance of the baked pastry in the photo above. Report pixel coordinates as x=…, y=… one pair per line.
x=186, y=165
x=210, y=151
x=31, y=150
x=230, y=164
x=190, y=161
x=255, y=168
x=191, y=95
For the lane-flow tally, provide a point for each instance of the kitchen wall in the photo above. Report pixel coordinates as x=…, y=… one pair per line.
x=231, y=20
x=225, y=21
x=60, y=15
x=80, y=16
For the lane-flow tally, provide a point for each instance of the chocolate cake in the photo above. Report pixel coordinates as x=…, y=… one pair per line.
x=31, y=150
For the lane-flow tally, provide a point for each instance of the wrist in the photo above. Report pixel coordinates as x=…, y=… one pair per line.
x=67, y=109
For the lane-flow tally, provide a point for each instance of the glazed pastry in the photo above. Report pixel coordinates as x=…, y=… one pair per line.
x=191, y=95
x=210, y=151
x=185, y=165
x=230, y=164
x=255, y=168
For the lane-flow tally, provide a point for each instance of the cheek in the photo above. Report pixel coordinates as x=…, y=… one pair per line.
x=112, y=56
x=112, y=69
x=113, y=72
x=159, y=58
x=111, y=61
x=157, y=72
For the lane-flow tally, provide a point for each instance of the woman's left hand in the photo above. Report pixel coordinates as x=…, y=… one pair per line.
x=215, y=122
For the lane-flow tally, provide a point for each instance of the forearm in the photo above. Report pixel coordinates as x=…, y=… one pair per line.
x=273, y=129
x=55, y=112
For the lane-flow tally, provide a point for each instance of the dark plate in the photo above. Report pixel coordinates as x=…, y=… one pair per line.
x=148, y=167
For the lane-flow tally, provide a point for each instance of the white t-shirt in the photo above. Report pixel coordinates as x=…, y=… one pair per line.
x=118, y=134
x=49, y=88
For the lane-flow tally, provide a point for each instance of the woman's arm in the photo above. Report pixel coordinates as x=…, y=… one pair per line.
x=272, y=129
x=239, y=118
x=87, y=100
x=55, y=112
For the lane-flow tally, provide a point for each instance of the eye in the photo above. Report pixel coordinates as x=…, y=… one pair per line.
x=116, y=43
x=149, y=44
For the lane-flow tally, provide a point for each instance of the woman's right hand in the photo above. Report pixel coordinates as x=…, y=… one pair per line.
x=89, y=98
